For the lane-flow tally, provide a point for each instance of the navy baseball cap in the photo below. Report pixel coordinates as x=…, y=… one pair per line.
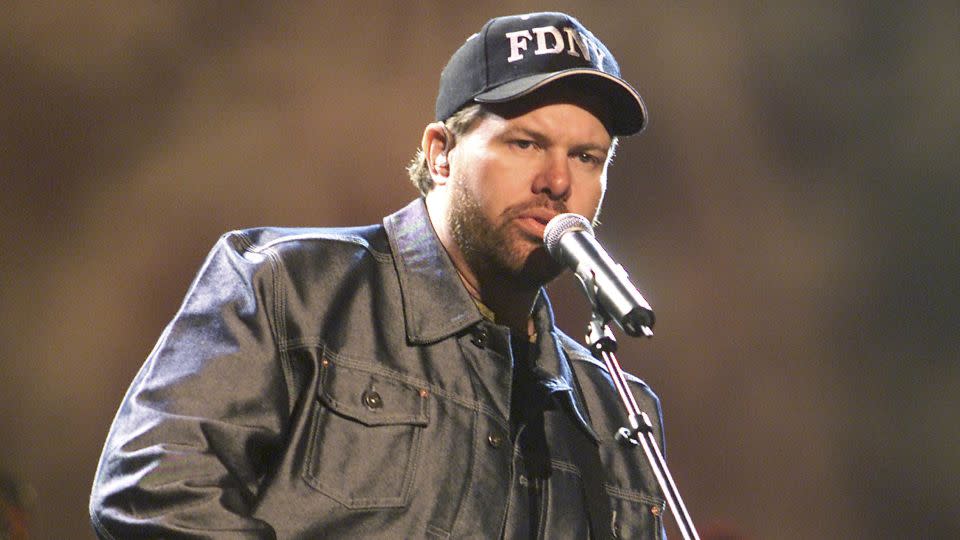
x=516, y=55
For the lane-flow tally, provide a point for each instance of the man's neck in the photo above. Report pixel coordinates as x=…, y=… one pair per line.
x=510, y=302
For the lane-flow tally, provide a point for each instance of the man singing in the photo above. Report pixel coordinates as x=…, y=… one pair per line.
x=405, y=379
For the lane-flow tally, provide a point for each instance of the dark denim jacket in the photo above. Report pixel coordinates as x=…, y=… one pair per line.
x=341, y=383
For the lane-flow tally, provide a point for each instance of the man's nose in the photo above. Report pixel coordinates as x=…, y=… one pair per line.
x=554, y=178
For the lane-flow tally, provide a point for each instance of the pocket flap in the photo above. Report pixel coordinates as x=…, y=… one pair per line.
x=369, y=397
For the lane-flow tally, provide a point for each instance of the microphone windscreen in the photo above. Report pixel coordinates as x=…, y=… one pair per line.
x=560, y=225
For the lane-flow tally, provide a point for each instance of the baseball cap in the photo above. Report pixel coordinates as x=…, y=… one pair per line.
x=513, y=56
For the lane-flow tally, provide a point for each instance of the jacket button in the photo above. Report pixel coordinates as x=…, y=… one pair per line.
x=479, y=338
x=495, y=440
x=372, y=399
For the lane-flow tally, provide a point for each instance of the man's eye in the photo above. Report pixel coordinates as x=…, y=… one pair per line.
x=523, y=144
x=584, y=157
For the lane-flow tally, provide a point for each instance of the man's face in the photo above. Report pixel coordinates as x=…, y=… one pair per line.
x=512, y=173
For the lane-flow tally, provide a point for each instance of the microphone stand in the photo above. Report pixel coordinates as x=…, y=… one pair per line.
x=603, y=345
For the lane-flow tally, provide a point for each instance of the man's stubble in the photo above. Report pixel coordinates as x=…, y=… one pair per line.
x=500, y=249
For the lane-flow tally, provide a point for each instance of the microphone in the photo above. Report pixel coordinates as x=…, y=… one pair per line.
x=569, y=240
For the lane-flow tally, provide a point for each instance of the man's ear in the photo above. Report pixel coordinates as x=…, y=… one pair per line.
x=436, y=141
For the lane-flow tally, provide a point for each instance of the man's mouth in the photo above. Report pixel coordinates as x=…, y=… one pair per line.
x=534, y=220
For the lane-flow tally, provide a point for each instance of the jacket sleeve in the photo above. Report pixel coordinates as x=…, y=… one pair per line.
x=192, y=437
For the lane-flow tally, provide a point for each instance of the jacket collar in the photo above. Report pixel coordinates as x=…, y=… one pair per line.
x=554, y=369
x=436, y=305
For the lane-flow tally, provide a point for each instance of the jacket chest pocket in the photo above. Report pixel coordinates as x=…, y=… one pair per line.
x=365, y=437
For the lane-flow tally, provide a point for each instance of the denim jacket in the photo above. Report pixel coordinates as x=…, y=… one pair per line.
x=326, y=383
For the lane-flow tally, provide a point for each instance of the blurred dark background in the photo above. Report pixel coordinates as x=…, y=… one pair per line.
x=791, y=213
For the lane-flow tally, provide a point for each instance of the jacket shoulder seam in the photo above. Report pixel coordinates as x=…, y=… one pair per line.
x=319, y=237
x=277, y=321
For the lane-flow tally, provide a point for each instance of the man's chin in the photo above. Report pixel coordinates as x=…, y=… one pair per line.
x=540, y=268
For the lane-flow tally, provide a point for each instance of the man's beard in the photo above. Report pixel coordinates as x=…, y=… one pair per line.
x=500, y=249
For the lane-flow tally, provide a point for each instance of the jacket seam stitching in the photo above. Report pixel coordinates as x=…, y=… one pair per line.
x=437, y=531
x=277, y=322
x=632, y=495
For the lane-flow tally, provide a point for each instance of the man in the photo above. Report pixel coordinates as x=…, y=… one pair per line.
x=404, y=380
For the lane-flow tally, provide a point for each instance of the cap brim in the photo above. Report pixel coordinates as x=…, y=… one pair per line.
x=629, y=111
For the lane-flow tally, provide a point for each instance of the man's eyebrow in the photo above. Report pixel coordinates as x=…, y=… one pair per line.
x=533, y=134
x=586, y=147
